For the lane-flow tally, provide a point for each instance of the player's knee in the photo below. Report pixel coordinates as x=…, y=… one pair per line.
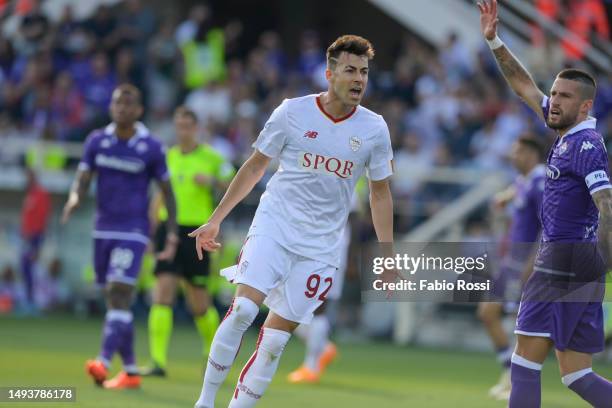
x=274, y=341
x=243, y=313
x=119, y=296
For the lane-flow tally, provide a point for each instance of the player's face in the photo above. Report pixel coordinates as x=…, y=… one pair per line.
x=125, y=109
x=186, y=129
x=566, y=103
x=350, y=78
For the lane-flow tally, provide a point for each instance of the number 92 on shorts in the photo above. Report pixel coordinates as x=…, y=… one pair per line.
x=295, y=286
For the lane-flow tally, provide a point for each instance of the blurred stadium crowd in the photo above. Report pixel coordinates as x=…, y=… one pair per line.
x=445, y=106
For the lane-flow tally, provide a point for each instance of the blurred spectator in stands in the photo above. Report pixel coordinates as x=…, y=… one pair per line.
x=204, y=56
x=551, y=10
x=128, y=70
x=79, y=45
x=136, y=24
x=64, y=30
x=102, y=26
x=311, y=54
x=211, y=103
x=164, y=64
x=187, y=30
x=33, y=29
x=35, y=214
x=67, y=108
x=582, y=17
x=275, y=57
x=456, y=59
x=545, y=58
x=11, y=291
x=98, y=88
x=52, y=291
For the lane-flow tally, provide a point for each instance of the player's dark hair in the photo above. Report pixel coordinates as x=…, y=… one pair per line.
x=589, y=84
x=184, y=111
x=353, y=44
x=132, y=90
x=532, y=142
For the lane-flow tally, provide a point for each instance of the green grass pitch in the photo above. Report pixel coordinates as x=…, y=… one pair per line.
x=52, y=351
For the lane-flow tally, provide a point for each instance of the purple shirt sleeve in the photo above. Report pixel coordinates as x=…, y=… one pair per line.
x=159, y=169
x=591, y=163
x=88, y=161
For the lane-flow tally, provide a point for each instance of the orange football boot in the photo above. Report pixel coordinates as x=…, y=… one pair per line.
x=303, y=375
x=330, y=353
x=96, y=370
x=123, y=381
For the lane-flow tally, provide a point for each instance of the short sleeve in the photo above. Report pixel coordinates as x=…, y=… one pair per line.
x=88, y=161
x=379, y=165
x=272, y=137
x=590, y=162
x=158, y=166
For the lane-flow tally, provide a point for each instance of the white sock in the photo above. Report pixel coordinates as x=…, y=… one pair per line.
x=301, y=332
x=224, y=348
x=318, y=337
x=259, y=370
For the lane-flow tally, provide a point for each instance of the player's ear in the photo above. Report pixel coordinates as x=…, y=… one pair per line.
x=328, y=73
x=586, y=106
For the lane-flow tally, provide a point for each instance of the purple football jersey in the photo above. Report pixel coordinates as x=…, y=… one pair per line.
x=526, y=206
x=577, y=167
x=124, y=171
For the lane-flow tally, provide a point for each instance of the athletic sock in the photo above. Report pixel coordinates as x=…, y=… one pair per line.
x=318, y=337
x=525, y=377
x=207, y=325
x=224, y=348
x=115, y=324
x=594, y=389
x=160, y=330
x=261, y=367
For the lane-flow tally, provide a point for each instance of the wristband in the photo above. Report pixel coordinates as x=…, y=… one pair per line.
x=495, y=43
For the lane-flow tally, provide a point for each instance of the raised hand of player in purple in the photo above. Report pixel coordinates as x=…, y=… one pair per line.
x=205, y=238
x=488, y=18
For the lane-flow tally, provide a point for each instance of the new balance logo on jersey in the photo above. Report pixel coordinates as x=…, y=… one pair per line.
x=328, y=165
x=311, y=134
x=586, y=146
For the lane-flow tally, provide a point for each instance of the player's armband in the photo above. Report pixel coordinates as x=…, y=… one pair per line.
x=597, y=180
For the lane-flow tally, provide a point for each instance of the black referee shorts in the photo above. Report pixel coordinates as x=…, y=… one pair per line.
x=185, y=263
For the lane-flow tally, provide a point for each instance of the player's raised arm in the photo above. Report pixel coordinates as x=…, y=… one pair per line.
x=248, y=175
x=514, y=72
x=603, y=201
x=79, y=188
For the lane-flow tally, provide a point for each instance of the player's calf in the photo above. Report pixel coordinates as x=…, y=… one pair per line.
x=225, y=347
x=261, y=367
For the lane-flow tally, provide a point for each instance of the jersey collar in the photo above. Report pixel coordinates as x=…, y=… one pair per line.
x=330, y=117
x=588, y=123
x=141, y=132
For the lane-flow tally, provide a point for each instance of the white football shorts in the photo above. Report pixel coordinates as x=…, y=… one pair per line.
x=295, y=286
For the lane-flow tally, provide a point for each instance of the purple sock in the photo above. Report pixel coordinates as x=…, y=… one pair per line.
x=126, y=349
x=594, y=389
x=113, y=336
x=526, y=389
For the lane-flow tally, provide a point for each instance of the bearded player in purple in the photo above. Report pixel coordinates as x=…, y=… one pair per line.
x=126, y=158
x=576, y=213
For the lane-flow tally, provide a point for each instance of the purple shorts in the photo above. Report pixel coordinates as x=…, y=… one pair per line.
x=117, y=260
x=562, y=300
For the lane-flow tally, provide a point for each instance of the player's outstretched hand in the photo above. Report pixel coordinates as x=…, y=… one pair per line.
x=390, y=276
x=69, y=207
x=205, y=238
x=488, y=18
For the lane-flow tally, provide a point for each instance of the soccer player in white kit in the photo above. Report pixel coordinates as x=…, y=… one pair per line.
x=324, y=143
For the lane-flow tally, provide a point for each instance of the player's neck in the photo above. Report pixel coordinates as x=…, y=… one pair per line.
x=125, y=132
x=188, y=147
x=334, y=106
x=579, y=119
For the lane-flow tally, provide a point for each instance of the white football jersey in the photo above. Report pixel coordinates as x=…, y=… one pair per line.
x=307, y=201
